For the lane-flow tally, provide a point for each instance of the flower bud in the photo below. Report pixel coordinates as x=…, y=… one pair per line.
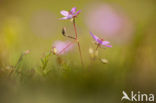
x=104, y=61
x=54, y=50
x=91, y=52
x=64, y=31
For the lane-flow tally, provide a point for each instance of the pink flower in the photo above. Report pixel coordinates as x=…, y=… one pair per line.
x=109, y=21
x=60, y=47
x=69, y=14
x=100, y=41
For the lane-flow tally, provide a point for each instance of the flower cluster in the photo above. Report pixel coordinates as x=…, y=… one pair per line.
x=69, y=14
x=60, y=47
x=100, y=41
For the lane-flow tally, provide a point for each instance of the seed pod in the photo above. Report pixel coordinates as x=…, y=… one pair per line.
x=64, y=31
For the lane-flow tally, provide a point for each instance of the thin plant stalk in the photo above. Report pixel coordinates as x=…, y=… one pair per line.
x=79, y=48
x=65, y=48
x=97, y=47
x=80, y=52
x=15, y=68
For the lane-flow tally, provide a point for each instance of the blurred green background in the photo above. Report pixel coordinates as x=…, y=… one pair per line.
x=33, y=25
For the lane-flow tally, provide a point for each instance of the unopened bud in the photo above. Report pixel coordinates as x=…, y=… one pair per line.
x=91, y=52
x=54, y=50
x=64, y=31
x=104, y=61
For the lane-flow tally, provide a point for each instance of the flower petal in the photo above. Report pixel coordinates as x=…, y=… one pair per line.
x=105, y=42
x=77, y=13
x=66, y=17
x=73, y=10
x=108, y=46
x=96, y=38
x=64, y=13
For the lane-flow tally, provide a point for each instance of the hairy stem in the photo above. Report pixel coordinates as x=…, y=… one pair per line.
x=75, y=28
x=79, y=48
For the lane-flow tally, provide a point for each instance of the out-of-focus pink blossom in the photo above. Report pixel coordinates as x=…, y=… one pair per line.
x=100, y=41
x=69, y=14
x=107, y=21
x=61, y=47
